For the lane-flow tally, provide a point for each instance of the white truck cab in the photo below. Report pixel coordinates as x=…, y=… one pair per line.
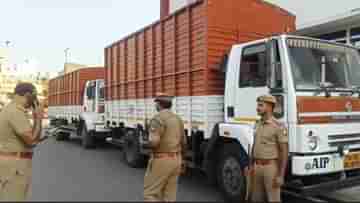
x=94, y=105
x=86, y=120
x=317, y=85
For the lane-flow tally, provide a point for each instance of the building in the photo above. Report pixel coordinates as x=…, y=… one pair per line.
x=343, y=28
x=4, y=59
x=9, y=82
x=70, y=67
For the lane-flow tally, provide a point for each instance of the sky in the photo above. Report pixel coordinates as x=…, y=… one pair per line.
x=40, y=30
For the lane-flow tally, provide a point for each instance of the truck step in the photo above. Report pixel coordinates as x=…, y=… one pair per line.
x=116, y=142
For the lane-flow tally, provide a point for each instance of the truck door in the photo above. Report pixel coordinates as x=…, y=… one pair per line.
x=260, y=73
x=100, y=95
x=252, y=81
x=90, y=95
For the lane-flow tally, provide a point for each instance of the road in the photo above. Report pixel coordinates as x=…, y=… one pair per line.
x=63, y=171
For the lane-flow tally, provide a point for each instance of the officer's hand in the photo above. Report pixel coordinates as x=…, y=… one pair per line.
x=38, y=111
x=183, y=168
x=278, y=182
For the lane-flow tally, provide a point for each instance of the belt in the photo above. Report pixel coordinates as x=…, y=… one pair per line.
x=21, y=155
x=164, y=155
x=264, y=161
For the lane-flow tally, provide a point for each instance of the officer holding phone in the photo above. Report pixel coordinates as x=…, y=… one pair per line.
x=17, y=140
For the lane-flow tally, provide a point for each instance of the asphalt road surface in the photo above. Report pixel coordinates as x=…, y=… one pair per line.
x=63, y=171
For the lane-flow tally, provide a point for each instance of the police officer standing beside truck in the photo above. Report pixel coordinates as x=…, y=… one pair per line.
x=167, y=141
x=269, y=154
x=17, y=139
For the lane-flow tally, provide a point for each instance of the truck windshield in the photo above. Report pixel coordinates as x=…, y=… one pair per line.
x=315, y=63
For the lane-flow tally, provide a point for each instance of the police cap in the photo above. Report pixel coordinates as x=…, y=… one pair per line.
x=22, y=88
x=163, y=97
x=267, y=98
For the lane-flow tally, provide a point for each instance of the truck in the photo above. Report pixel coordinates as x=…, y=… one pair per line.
x=77, y=105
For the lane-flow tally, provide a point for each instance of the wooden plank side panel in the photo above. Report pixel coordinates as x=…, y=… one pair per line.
x=181, y=82
x=149, y=89
x=158, y=50
x=198, y=87
x=220, y=42
x=115, y=68
x=75, y=88
x=169, y=46
x=183, y=42
x=149, y=53
x=169, y=84
x=131, y=87
x=140, y=89
x=122, y=71
x=140, y=56
x=131, y=63
x=198, y=38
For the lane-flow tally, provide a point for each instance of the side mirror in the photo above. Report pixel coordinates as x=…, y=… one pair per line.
x=273, y=67
x=279, y=108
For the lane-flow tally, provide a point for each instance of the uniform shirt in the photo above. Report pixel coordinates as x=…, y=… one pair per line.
x=268, y=135
x=14, y=122
x=170, y=128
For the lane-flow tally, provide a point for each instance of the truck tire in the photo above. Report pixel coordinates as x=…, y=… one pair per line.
x=230, y=177
x=87, y=140
x=131, y=150
x=62, y=136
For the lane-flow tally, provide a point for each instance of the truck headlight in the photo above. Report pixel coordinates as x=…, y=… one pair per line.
x=313, y=141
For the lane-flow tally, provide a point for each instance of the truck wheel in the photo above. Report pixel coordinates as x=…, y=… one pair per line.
x=230, y=177
x=132, y=155
x=61, y=136
x=87, y=139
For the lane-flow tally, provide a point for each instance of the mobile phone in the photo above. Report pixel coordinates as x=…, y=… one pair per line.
x=35, y=103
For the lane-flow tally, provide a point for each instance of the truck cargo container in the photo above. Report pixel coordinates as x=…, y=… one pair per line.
x=77, y=97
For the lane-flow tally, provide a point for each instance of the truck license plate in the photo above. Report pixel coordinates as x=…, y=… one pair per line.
x=352, y=161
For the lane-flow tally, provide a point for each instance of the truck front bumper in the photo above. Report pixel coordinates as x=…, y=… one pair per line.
x=323, y=164
x=329, y=186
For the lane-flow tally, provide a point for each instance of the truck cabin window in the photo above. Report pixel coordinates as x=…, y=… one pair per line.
x=315, y=63
x=253, y=67
x=91, y=92
x=102, y=92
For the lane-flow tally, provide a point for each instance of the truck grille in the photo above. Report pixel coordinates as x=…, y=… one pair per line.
x=344, y=140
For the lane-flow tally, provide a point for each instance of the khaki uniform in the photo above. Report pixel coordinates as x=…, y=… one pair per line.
x=15, y=173
x=164, y=167
x=268, y=135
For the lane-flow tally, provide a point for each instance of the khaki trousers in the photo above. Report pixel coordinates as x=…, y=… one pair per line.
x=160, y=182
x=15, y=179
x=263, y=190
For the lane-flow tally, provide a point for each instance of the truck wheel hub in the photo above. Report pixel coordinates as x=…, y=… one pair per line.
x=232, y=176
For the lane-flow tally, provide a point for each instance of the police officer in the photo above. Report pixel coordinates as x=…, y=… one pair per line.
x=269, y=155
x=167, y=141
x=17, y=139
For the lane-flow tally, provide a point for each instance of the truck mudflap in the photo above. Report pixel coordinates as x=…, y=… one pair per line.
x=321, y=188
